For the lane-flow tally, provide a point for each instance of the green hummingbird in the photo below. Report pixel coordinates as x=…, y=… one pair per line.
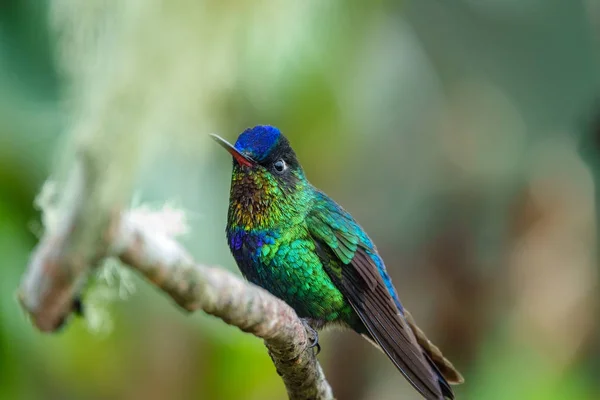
x=291, y=239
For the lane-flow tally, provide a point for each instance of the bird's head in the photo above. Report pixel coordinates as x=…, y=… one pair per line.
x=268, y=185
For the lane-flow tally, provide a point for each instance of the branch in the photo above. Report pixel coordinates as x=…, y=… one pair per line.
x=83, y=237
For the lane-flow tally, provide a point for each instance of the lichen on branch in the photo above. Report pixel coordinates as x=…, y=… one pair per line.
x=62, y=261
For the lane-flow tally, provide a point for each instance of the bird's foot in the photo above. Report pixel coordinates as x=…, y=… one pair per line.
x=314, y=336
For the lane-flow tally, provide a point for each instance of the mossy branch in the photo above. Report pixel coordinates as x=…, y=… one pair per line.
x=86, y=232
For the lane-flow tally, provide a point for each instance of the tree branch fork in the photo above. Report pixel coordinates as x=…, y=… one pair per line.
x=85, y=232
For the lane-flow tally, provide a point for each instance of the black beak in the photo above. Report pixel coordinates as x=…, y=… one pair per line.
x=237, y=156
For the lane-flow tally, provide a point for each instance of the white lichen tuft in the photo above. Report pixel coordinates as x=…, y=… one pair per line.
x=166, y=220
x=47, y=202
x=97, y=316
x=112, y=282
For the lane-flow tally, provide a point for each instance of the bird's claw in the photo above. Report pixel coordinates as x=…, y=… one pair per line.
x=314, y=337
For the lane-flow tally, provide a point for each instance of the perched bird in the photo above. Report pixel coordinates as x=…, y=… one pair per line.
x=294, y=241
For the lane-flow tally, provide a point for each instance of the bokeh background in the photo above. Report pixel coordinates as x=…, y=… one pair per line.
x=464, y=136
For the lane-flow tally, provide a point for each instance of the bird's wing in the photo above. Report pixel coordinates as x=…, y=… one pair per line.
x=361, y=281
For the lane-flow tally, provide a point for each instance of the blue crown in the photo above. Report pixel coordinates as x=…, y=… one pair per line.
x=258, y=142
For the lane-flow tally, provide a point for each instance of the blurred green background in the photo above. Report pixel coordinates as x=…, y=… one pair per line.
x=464, y=136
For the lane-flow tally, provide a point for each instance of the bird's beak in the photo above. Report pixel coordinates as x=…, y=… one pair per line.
x=237, y=156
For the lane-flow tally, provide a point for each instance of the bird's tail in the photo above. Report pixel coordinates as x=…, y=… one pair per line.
x=441, y=364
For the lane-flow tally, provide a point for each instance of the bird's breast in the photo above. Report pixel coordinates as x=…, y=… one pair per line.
x=254, y=251
x=285, y=263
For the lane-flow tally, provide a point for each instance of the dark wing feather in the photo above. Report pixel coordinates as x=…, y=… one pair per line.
x=379, y=314
x=362, y=284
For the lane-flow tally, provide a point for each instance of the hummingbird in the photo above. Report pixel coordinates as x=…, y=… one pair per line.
x=291, y=239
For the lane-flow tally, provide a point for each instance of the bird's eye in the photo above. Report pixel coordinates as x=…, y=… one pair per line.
x=280, y=166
